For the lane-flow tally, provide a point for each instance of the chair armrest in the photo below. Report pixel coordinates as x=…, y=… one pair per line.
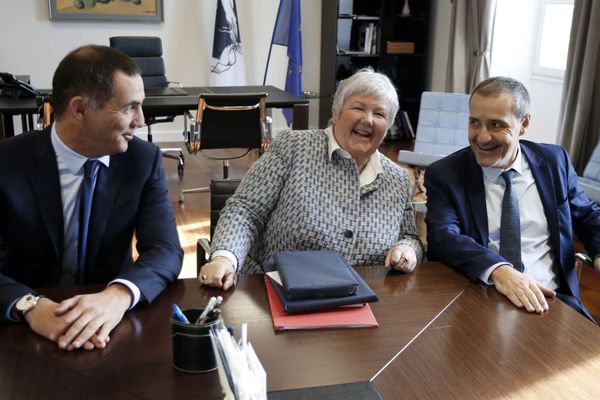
x=178, y=83
x=591, y=188
x=417, y=159
x=585, y=259
x=267, y=136
x=202, y=253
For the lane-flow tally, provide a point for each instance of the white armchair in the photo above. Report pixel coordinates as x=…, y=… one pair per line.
x=590, y=181
x=442, y=129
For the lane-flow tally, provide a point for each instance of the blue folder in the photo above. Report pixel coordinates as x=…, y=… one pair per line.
x=314, y=274
x=363, y=295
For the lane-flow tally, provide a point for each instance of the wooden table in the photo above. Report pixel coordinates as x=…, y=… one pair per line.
x=482, y=347
x=439, y=337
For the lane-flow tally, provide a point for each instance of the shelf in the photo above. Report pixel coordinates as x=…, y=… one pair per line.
x=416, y=18
x=356, y=54
x=359, y=17
x=410, y=55
x=343, y=32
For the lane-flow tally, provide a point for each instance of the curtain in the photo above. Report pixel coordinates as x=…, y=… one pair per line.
x=579, y=121
x=469, y=52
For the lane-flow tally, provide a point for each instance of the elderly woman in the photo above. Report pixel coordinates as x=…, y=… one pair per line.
x=323, y=190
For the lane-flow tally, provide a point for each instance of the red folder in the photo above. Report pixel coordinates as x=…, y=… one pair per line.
x=342, y=317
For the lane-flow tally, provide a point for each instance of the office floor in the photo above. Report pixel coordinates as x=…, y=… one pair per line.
x=193, y=215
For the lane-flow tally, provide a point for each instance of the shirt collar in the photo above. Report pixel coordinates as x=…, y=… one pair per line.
x=492, y=174
x=374, y=162
x=72, y=160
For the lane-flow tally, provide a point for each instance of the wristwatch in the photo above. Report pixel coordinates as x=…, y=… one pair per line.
x=26, y=304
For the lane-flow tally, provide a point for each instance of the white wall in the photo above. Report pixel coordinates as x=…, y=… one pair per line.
x=33, y=45
x=513, y=54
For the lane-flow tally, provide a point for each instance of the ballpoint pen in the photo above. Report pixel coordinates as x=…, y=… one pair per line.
x=212, y=316
x=178, y=315
x=212, y=303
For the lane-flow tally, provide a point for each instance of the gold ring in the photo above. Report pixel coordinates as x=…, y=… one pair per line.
x=204, y=277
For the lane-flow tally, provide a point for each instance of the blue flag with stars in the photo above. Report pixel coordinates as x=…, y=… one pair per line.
x=288, y=33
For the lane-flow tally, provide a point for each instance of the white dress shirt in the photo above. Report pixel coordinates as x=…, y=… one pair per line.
x=70, y=171
x=536, y=252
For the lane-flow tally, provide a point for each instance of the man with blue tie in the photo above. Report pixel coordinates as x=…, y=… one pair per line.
x=73, y=196
x=503, y=210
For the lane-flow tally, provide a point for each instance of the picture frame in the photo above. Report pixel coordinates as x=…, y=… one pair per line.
x=106, y=10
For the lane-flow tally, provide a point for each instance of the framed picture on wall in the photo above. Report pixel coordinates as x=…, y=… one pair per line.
x=107, y=10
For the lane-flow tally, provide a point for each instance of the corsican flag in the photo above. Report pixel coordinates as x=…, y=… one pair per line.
x=227, y=64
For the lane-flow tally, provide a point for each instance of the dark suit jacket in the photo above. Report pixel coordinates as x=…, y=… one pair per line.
x=130, y=196
x=457, y=226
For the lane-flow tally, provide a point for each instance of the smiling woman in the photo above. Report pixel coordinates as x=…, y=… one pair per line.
x=323, y=190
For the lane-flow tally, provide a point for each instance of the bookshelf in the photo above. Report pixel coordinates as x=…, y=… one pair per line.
x=399, y=45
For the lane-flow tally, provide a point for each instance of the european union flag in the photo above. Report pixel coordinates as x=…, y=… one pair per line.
x=288, y=33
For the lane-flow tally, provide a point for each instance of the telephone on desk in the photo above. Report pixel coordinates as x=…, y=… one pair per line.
x=14, y=88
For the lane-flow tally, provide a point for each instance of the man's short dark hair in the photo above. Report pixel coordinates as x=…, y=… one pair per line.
x=498, y=85
x=88, y=71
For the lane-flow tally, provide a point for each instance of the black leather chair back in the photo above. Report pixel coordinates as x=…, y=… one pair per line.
x=147, y=52
x=232, y=121
x=220, y=191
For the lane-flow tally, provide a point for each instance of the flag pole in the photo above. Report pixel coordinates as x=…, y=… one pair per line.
x=272, y=37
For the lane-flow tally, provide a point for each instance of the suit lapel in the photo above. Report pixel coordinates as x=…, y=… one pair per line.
x=105, y=193
x=476, y=197
x=545, y=186
x=43, y=175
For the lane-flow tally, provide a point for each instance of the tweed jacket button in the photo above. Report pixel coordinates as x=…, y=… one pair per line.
x=348, y=234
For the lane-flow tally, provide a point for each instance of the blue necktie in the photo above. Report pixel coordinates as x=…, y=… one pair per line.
x=86, y=194
x=510, y=226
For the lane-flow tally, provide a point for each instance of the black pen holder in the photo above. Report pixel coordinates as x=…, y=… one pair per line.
x=192, y=345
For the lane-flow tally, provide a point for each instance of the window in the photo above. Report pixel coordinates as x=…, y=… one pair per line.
x=553, y=38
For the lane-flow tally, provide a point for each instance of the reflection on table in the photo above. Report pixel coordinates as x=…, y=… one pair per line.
x=439, y=337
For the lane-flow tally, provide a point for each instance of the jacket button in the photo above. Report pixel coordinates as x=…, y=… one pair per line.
x=348, y=234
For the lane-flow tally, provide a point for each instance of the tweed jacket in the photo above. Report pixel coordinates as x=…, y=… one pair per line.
x=296, y=198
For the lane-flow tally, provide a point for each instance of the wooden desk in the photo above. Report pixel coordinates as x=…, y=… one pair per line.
x=439, y=337
x=276, y=98
x=482, y=347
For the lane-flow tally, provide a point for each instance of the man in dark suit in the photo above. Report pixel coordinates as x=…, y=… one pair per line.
x=97, y=99
x=465, y=202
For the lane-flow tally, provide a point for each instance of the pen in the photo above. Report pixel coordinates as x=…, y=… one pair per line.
x=178, y=315
x=212, y=303
x=212, y=316
x=244, y=338
x=209, y=307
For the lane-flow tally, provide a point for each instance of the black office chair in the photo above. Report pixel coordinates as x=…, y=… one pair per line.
x=227, y=121
x=220, y=191
x=147, y=52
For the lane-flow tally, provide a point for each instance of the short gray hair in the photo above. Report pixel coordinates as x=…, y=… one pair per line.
x=498, y=85
x=367, y=82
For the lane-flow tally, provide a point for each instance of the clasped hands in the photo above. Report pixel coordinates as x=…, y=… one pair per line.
x=83, y=321
x=220, y=271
